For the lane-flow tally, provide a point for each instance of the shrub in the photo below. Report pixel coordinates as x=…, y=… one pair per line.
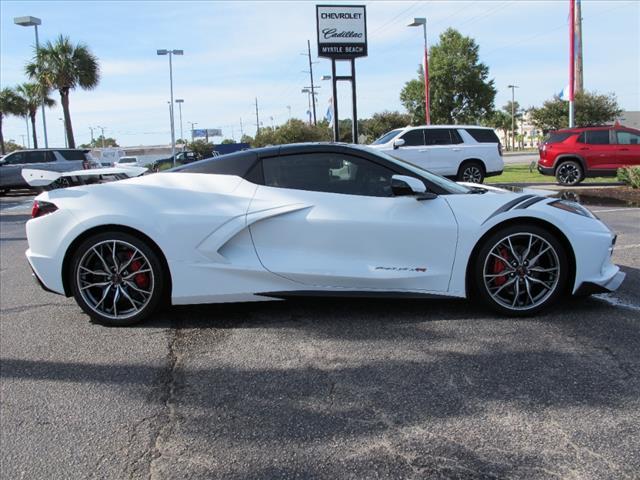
x=630, y=176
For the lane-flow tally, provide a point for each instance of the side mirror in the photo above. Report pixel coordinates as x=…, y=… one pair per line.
x=2, y=161
x=403, y=185
x=398, y=143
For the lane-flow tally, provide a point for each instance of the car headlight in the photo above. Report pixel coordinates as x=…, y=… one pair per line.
x=572, y=207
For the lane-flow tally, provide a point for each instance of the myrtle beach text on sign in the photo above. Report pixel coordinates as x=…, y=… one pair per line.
x=342, y=31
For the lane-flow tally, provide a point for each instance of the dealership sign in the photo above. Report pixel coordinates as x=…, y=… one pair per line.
x=342, y=31
x=208, y=132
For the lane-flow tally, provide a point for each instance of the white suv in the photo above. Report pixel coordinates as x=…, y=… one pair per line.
x=466, y=153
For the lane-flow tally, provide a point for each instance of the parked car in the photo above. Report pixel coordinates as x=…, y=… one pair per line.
x=311, y=219
x=466, y=153
x=572, y=154
x=182, y=158
x=126, y=161
x=53, y=159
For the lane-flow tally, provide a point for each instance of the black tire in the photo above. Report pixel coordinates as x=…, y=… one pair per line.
x=569, y=173
x=526, y=291
x=86, y=255
x=471, y=171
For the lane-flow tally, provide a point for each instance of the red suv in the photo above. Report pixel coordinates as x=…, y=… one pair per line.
x=575, y=153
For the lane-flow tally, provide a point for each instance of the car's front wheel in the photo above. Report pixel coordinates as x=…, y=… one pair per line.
x=472, y=172
x=520, y=270
x=116, y=278
x=569, y=173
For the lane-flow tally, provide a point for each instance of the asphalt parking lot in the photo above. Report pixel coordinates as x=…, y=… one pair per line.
x=319, y=388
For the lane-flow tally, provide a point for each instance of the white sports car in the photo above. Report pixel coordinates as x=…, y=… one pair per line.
x=310, y=219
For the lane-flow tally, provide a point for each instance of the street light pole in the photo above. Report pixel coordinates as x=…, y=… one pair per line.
x=192, y=129
x=513, y=116
x=416, y=23
x=102, y=130
x=66, y=142
x=180, y=101
x=171, y=53
x=34, y=22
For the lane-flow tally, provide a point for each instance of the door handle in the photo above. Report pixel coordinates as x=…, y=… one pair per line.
x=584, y=148
x=423, y=150
x=624, y=149
x=456, y=149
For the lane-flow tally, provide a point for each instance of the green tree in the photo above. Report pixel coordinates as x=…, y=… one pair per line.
x=294, y=131
x=383, y=122
x=101, y=142
x=460, y=89
x=33, y=95
x=590, y=108
x=64, y=66
x=227, y=141
x=500, y=120
x=201, y=148
x=10, y=104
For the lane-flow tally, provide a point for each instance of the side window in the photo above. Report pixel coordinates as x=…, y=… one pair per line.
x=438, y=136
x=455, y=137
x=597, y=137
x=328, y=172
x=414, y=138
x=16, y=158
x=628, y=138
x=49, y=157
x=34, y=157
x=582, y=138
x=71, y=154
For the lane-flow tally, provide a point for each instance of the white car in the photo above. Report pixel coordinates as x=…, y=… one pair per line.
x=128, y=161
x=310, y=219
x=466, y=153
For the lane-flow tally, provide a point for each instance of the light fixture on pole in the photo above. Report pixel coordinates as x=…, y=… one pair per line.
x=34, y=22
x=308, y=92
x=513, y=116
x=180, y=101
x=170, y=53
x=417, y=22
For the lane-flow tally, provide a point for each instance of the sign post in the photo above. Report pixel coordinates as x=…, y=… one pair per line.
x=342, y=35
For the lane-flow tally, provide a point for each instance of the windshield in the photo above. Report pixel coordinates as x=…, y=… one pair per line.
x=442, y=182
x=387, y=136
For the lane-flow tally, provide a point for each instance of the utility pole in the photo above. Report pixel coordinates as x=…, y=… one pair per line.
x=579, y=80
x=241, y=129
x=192, y=129
x=513, y=116
x=102, y=129
x=313, y=96
x=91, y=128
x=257, y=119
x=289, y=109
x=572, y=62
x=24, y=144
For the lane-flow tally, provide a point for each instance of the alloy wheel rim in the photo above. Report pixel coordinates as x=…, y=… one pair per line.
x=115, y=279
x=472, y=174
x=521, y=271
x=568, y=174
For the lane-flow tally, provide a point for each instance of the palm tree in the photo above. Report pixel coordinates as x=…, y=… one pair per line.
x=33, y=95
x=64, y=66
x=10, y=104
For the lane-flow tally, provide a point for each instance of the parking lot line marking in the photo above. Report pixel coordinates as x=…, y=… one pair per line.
x=616, y=302
x=628, y=209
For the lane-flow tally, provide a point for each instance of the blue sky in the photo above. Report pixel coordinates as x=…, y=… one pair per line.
x=236, y=51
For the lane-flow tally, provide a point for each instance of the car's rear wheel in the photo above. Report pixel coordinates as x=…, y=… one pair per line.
x=116, y=278
x=569, y=173
x=520, y=270
x=471, y=172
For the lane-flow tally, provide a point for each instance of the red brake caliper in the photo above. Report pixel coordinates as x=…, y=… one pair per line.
x=500, y=266
x=141, y=279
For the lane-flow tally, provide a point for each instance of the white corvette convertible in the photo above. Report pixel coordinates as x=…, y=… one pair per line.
x=310, y=219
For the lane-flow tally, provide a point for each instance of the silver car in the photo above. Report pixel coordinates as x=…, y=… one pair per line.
x=57, y=160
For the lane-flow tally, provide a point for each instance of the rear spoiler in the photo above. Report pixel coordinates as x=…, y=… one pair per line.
x=51, y=180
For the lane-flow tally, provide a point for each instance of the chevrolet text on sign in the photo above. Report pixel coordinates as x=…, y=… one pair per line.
x=342, y=31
